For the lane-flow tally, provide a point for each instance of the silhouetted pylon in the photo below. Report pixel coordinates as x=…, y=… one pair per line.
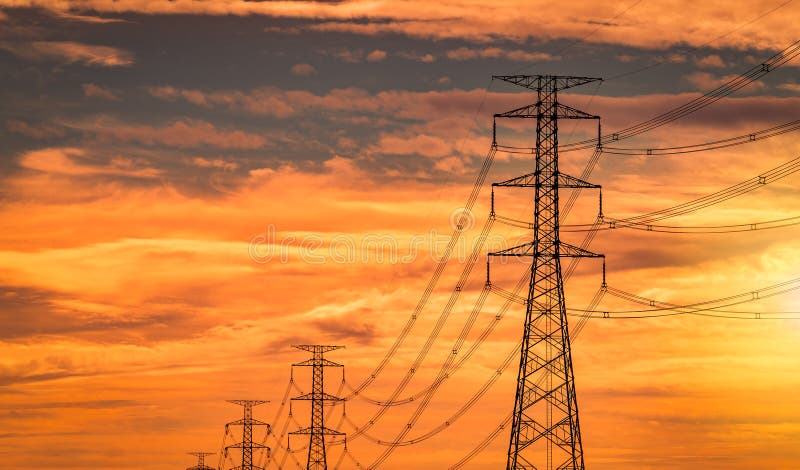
x=246, y=444
x=201, y=461
x=317, y=431
x=545, y=432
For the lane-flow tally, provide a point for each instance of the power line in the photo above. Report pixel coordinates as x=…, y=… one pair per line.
x=487, y=163
x=574, y=333
x=646, y=221
x=743, y=25
x=392, y=352
x=748, y=138
x=772, y=63
x=687, y=108
x=355, y=392
x=697, y=229
x=658, y=308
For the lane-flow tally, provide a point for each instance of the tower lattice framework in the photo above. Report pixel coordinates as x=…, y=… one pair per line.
x=246, y=444
x=317, y=431
x=201, y=461
x=545, y=431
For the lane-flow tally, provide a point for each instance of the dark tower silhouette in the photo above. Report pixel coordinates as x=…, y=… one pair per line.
x=317, y=431
x=246, y=444
x=545, y=432
x=201, y=461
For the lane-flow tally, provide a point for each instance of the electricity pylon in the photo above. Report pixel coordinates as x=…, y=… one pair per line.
x=246, y=444
x=201, y=461
x=545, y=432
x=317, y=431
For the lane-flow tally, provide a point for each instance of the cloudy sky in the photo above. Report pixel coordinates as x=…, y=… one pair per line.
x=191, y=187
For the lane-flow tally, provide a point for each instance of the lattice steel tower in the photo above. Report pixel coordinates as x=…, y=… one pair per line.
x=317, y=430
x=201, y=461
x=545, y=433
x=247, y=445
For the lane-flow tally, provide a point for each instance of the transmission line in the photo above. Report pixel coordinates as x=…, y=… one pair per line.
x=634, y=130
x=645, y=221
x=769, y=176
x=737, y=83
x=441, y=264
x=748, y=138
x=701, y=308
x=488, y=440
x=474, y=399
x=747, y=23
x=664, y=309
x=775, y=62
x=688, y=108
x=736, y=228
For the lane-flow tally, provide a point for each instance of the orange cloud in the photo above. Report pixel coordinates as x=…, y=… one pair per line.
x=303, y=70
x=74, y=162
x=376, y=56
x=795, y=87
x=40, y=131
x=705, y=81
x=96, y=91
x=430, y=106
x=69, y=52
x=182, y=133
x=712, y=60
x=650, y=25
x=466, y=53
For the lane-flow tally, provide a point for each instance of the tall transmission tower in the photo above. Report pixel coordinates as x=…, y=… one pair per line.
x=545, y=432
x=317, y=430
x=246, y=444
x=201, y=461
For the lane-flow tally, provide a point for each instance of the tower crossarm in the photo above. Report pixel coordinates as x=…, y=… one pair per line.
x=558, y=110
x=316, y=348
x=325, y=430
x=552, y=82
x=250, y=421
x=564, y=250
x=201, y=461
x=248, y=403
x=243, y=445
x=529, y=181
x=318, y=362
x=318, y=396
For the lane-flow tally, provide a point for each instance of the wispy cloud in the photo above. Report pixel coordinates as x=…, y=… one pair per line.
x=181, y=133
x=649, y=24
x=711, y=61
x=466, y=53
x=75, y=162
x=90, y=90
x=70, y=52
x=303, y=70
x=38, y=131
x=66, y=15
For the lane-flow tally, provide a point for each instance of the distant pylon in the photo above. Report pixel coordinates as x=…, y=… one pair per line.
x=246, y=444
x=545, y=432
x=317, y=430
x=201, y=461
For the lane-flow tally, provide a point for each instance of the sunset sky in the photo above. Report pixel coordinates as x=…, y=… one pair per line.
x=188, y=188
